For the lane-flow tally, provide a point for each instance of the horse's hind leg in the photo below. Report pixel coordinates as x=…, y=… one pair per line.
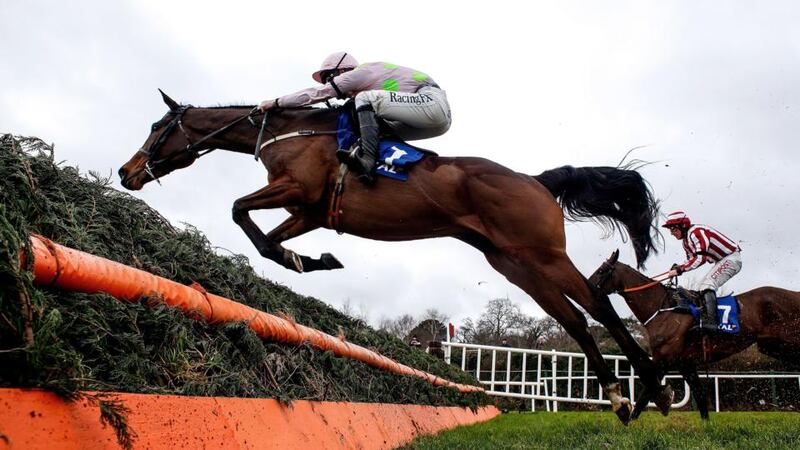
x=280, y=195
x=557, y=267
x=599, y=307
x=550, y=297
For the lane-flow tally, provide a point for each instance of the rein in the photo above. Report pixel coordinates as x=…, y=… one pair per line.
x=334, y=214
x=648, y=285
x=657, y=279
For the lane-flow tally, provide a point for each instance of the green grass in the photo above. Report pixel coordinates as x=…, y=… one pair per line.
x=589, y=430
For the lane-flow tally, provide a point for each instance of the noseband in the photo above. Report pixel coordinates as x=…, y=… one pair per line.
x=192, y=148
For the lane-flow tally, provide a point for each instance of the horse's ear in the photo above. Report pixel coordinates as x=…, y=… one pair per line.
x=614, y=257
x=173, y=105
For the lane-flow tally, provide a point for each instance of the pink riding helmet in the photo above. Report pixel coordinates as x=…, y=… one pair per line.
x=338, y=60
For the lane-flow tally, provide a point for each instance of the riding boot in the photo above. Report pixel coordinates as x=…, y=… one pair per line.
x=710, y=322
x=364, y=161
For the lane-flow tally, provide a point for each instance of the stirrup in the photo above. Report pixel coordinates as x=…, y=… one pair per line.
x=365, y=174
x=347, y=155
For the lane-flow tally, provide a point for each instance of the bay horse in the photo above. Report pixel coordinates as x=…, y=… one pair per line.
x=513, y=218
x=768, y=317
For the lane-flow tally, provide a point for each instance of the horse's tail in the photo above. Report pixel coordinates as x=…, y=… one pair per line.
x=613, y=196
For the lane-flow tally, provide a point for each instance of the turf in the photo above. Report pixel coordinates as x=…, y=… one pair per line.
x=591, y=430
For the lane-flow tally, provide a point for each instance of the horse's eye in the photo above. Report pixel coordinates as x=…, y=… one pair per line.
x=154, y=127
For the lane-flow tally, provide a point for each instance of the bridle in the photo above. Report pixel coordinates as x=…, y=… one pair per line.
x=192, y=148
x=607, y=269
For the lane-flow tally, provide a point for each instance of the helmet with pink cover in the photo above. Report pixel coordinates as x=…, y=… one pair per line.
x=677, y=219
x=335, y=61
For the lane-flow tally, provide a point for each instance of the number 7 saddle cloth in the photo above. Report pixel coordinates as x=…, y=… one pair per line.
x=727, y=313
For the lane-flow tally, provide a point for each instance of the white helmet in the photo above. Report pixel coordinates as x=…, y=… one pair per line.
x=678, y=219
x=334, y=61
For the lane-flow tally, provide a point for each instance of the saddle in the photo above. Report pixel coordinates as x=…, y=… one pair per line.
x=685, y=301
x=686, y=297
x=395, y=156
x=679, y=300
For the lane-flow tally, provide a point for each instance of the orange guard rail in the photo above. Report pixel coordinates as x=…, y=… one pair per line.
x=66, y=268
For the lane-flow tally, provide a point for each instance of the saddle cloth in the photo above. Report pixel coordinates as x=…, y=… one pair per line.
x=395, y=157
x=727, y=313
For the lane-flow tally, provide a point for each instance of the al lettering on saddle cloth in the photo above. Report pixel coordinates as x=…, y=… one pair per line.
x=394, y=157
x=727, y=313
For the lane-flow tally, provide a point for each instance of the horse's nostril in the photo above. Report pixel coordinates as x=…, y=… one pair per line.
x=122, y=173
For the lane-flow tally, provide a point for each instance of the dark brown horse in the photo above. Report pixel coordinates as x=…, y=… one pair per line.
x=513, y=218
x=768, y=317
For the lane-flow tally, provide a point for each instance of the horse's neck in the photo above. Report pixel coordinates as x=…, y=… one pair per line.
x=644, y=303
x=242, y=138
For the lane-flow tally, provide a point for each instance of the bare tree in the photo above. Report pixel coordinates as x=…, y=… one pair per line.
x=434, y=320
x=399, y=327
x=500, y=317
x=467, y=331
x=350, y=311
x=531, y=330
x=347, y=308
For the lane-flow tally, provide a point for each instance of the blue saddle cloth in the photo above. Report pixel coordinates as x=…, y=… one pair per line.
x=727, y=313
x=394, y=157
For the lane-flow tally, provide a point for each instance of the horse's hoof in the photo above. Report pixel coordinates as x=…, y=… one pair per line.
x=664, y=400
x=330, y=262
x=623, y=412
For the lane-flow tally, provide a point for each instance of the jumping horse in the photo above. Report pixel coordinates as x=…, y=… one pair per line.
x=768, y=317
x=513, y=218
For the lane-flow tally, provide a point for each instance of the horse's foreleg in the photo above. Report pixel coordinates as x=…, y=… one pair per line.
x=698, y=389
x=295, y=226
x=641, y=403
x=280, y=195
x=662, y=395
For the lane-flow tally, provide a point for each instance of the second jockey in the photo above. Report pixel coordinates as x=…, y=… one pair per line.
x=704, y=244
x=407, y=100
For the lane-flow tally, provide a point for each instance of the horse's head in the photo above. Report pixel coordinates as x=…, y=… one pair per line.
x=605, y=276
x=167, y=148
x=614, y=277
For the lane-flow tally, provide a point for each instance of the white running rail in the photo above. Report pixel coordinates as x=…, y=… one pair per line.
x=542, y=375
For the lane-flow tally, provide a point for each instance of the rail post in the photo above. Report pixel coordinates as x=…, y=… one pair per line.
x=553, y=375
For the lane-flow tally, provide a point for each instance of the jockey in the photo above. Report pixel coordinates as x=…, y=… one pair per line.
x=704, y=244
x=409, y=101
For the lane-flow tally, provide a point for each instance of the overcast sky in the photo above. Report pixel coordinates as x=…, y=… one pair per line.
x=712, y=89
